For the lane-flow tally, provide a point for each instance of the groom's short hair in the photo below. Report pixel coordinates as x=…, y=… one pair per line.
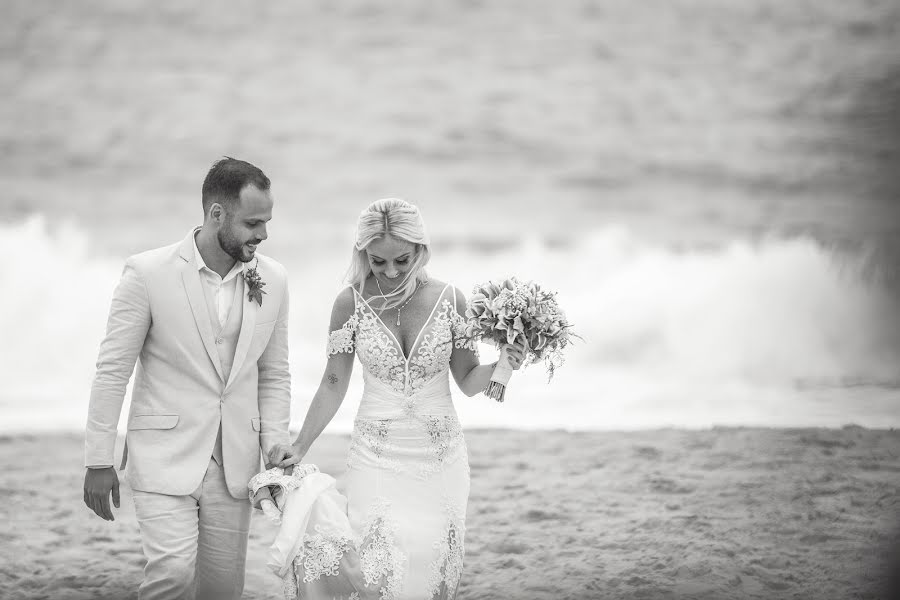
x=227, y=177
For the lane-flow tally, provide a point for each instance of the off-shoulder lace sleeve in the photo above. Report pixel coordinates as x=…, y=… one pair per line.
x=343, y=339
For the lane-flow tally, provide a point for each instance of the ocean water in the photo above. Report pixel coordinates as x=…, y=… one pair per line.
x=711, y=189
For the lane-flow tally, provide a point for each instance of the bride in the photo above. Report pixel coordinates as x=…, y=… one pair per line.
x=407, y=482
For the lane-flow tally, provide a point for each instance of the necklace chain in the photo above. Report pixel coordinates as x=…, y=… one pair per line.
x=380, y=291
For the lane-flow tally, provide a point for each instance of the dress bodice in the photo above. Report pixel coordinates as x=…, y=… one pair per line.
x=395, y=384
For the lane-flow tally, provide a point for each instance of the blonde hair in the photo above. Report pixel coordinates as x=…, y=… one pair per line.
x=398, y=219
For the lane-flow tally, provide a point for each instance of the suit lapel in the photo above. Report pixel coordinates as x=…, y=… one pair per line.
x=248, y=322
x=192, y=285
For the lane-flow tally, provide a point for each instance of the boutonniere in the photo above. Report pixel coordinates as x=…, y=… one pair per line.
x=255, y=284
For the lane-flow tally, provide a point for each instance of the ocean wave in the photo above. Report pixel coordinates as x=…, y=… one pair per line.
x=743, y=333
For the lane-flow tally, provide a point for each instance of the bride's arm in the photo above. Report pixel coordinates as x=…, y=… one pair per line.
x=325, y=403
x=471, y=380
x=471, y=376
x=332, y=387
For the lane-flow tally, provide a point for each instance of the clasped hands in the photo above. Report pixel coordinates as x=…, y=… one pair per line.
x=284, y=456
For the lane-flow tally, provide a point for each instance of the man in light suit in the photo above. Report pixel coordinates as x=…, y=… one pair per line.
x=206, y=319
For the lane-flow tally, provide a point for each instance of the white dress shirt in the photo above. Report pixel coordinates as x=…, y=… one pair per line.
x=221, y=288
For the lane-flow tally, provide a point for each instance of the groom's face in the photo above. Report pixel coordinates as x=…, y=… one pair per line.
x=244, y=225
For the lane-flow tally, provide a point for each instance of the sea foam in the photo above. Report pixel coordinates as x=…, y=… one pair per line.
x=774, y=332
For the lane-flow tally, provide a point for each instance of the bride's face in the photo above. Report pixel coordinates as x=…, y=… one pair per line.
x=390, y=259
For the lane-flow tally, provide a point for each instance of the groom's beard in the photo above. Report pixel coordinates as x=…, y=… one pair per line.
x=232, y=246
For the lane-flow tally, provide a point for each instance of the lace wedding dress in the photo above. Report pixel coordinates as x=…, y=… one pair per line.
x=407, y=483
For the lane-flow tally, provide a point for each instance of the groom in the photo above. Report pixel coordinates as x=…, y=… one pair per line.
x=206, y=319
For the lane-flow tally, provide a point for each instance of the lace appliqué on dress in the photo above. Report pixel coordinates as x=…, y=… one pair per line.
x=445, y=439
x=444, y=444
x=321, y=554
x=371, y=435
x=445, y=572
x=433, y=353
x=381, y=357
x=460, y=339
x=342, y=340
x=378, y=353
x=383, y=564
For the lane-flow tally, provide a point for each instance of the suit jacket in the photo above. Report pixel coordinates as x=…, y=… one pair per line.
x=160, y=319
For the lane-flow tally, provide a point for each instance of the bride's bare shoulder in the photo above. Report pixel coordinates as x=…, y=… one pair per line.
x=344, y=304
x=449, y=291
x=438, y=287
x=436, y=284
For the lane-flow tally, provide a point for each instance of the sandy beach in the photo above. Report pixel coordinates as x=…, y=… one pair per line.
x=720, y=513
x=711, y=187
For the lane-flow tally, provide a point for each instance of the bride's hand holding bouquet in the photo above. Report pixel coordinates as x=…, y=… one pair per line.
x=520, y=318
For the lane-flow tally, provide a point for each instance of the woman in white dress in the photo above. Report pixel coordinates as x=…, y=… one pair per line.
x=408, y=473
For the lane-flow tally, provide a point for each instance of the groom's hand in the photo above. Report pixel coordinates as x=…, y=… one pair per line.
x=284, y=455
x=98, y=483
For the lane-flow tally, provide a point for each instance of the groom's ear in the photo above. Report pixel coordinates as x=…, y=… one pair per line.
x=216, y=212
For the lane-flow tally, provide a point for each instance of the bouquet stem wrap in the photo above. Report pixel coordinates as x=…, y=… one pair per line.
x=496, y=389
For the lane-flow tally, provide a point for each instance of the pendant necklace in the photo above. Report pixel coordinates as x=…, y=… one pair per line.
x=402, y=305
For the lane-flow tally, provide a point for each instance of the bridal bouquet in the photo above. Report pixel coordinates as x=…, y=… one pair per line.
x=512, y=311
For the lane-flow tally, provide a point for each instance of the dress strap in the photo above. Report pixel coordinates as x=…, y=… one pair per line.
x=359, y=301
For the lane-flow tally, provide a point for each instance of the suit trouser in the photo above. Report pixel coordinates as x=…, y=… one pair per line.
x=194, y=543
